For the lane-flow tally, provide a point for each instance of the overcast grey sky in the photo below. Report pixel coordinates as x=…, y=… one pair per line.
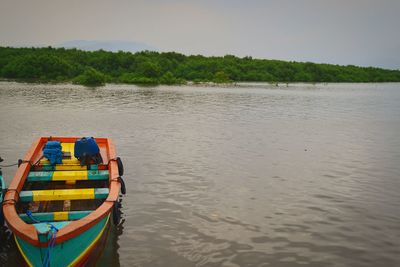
x=359, y=32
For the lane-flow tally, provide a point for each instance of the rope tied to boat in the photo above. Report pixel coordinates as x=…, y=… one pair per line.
x=29, y=214
x=50, y=245
x=52, y=241
x=10, y=165
x=11, y=200
x=21, y=161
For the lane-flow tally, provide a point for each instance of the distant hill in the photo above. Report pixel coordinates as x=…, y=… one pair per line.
x=113, y=46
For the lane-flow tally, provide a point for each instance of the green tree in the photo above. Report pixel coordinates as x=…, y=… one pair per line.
x=221, y=77
x=59, y=64
x=90, y=77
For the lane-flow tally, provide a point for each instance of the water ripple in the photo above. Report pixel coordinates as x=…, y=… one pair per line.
x=305, y=175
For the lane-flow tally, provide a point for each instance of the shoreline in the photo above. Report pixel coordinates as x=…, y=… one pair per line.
x=199, y=84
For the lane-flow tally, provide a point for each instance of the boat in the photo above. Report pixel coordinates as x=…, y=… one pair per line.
x=2, y=192
x=60, y=213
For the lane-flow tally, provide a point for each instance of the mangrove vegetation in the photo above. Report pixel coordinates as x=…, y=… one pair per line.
x=99, y=67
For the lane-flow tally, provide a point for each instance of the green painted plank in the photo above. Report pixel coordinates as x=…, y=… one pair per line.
x=45, y=216
x=49, y=216
x=98, y=175
x=47, y=176
x=26, y=196
x=101, y=193
x=40, y=176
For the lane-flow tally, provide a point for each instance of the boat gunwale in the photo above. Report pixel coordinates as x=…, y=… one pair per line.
x=27, y=231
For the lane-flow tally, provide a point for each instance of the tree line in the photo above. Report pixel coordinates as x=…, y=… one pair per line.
x=49, y=64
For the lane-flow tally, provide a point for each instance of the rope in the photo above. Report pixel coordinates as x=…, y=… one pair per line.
x=113, y=159
x=13, y=189
x=20, y=161
x=5, y=202
x=50, y=245
x=53, y=230
x=6, y=166
x=116, y=179
x=29, y=213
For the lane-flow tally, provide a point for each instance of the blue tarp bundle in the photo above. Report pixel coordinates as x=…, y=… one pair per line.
x=87, y=151
x=86, y=146
x=52, y=151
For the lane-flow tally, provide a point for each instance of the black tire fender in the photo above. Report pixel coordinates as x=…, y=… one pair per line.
x=120, y=166
x=123, y=187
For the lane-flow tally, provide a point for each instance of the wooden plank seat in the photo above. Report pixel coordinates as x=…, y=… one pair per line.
x=63, y=194
x=55, y=216
x=45, y=176
x=62, y=167
x=73, y=161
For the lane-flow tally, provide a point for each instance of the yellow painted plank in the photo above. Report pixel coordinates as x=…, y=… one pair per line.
x=60, y=215
x=68, y=147
x=73, y=161
x=63, y=194
x=70, y=167
x=70, y=175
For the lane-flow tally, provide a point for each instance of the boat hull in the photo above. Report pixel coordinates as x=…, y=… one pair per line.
x=78, y=251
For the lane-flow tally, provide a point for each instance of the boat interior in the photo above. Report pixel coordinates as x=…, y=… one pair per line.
x=64, y=192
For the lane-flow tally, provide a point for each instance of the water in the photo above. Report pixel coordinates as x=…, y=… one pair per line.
x=255, y=175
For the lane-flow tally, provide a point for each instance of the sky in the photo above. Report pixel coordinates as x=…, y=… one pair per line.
x=357, y=32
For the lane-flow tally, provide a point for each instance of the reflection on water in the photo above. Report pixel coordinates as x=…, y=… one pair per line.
x=245, y=176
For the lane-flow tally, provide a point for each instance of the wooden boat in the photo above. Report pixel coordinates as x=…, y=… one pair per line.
x=60, y=214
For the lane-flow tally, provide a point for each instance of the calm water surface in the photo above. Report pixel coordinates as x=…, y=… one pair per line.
x=305, y=175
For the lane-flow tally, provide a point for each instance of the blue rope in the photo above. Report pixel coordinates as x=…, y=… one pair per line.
x=53, y=231
x=50, y=245
x=29, y=213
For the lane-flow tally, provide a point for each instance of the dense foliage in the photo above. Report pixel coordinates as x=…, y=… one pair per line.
x=95, y=68
x=90, y=77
